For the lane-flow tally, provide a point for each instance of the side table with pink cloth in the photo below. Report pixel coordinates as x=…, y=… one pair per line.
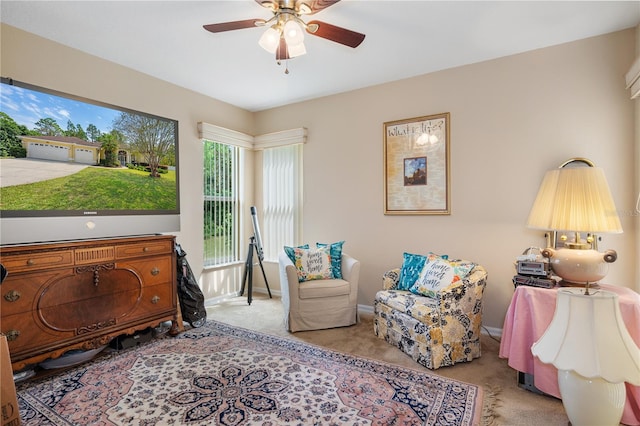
x=529, y=315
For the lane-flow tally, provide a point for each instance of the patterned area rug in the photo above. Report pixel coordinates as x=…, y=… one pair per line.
x=223, y=375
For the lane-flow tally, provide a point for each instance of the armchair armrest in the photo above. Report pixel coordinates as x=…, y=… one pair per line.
x=350, y=269
x=464, y=295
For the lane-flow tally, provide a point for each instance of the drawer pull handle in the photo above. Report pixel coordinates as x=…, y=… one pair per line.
x=12, y=296
x=155, y=271
x=155, y=300
x=12, y=335
x=31, y=262
x=145, y=249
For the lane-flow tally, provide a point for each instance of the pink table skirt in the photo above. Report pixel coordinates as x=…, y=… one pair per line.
x=529, y=315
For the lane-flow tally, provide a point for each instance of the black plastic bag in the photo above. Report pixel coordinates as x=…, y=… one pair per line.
x=189, y=293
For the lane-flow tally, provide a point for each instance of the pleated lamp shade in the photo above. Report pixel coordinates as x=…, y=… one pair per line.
x=587, y=335
x=575, y=199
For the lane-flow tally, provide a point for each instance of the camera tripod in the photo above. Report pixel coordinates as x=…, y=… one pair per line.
x=248, y=271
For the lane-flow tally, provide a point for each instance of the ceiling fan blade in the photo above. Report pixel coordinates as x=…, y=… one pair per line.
x=309, y=7
x=234, y=25
x=333, y=33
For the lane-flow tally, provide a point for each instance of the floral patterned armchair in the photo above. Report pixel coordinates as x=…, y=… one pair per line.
x=437, y=330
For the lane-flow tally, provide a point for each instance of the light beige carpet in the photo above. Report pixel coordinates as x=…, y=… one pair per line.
x=505, y=403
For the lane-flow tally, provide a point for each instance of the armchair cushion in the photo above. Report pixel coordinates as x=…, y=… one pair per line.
x=323, y=288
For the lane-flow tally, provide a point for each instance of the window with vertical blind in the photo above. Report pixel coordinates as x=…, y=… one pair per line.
x=281, y=212
x=221, y=203
x=282, y=195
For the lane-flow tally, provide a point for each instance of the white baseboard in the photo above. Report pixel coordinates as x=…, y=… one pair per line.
x=365, y=309
x=492, y=332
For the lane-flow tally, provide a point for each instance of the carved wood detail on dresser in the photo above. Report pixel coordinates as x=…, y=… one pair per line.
x=81, y=294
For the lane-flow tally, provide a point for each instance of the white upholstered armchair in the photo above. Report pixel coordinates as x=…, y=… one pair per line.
x=319, y=304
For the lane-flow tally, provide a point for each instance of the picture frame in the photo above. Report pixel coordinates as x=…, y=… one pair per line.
x=417, y=166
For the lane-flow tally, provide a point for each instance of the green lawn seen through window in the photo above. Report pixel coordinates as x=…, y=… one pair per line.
x=216, y=250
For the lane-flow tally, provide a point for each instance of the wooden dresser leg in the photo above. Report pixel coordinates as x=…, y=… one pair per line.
x=177, y=326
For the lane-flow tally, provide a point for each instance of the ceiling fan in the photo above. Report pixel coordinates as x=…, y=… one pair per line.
x=284, y=35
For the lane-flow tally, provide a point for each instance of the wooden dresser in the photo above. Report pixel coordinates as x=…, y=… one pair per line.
x=81, y=294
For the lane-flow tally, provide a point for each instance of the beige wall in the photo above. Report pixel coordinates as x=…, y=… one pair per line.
x=636, y=211
x=511, y=120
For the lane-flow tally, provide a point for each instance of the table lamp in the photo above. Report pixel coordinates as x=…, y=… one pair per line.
x=588, y=343
x=578, y=200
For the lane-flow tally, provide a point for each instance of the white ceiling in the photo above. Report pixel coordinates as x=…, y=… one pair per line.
x=165, y=39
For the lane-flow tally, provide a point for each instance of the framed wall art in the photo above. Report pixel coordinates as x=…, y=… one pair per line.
x=416, y=166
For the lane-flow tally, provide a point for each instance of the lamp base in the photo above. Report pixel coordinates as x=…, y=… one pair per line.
x=579, y=266
x=593, y=401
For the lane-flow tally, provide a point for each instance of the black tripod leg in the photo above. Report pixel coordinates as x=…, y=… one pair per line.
x=250, y=269
x=247, y=266
x=265, y=278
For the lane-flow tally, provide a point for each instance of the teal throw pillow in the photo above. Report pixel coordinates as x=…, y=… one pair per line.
x=291, y=251
x=336, y=257
x=412, y=265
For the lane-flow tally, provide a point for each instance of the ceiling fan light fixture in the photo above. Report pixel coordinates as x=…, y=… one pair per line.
x=270, y=40
x=296, y=50
x=293, y=32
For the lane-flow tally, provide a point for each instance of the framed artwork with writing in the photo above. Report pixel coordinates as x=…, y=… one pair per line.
x=416, y=166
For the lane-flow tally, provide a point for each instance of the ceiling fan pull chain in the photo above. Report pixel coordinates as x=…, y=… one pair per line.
x=286, y=67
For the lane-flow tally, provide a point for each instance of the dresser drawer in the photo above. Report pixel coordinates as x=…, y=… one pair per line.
x=20, y=293
x=152, y=271
x=157, y=299
x=144, y=249
x=24, y=334
x=36, y=261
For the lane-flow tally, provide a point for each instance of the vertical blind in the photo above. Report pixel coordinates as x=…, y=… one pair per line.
x=221, y=203
x=282, y=192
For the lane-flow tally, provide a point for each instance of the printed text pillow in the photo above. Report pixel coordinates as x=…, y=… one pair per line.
x=438, y=274
x=313, y=264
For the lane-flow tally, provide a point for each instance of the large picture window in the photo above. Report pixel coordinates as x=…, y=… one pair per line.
x=221, y=203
